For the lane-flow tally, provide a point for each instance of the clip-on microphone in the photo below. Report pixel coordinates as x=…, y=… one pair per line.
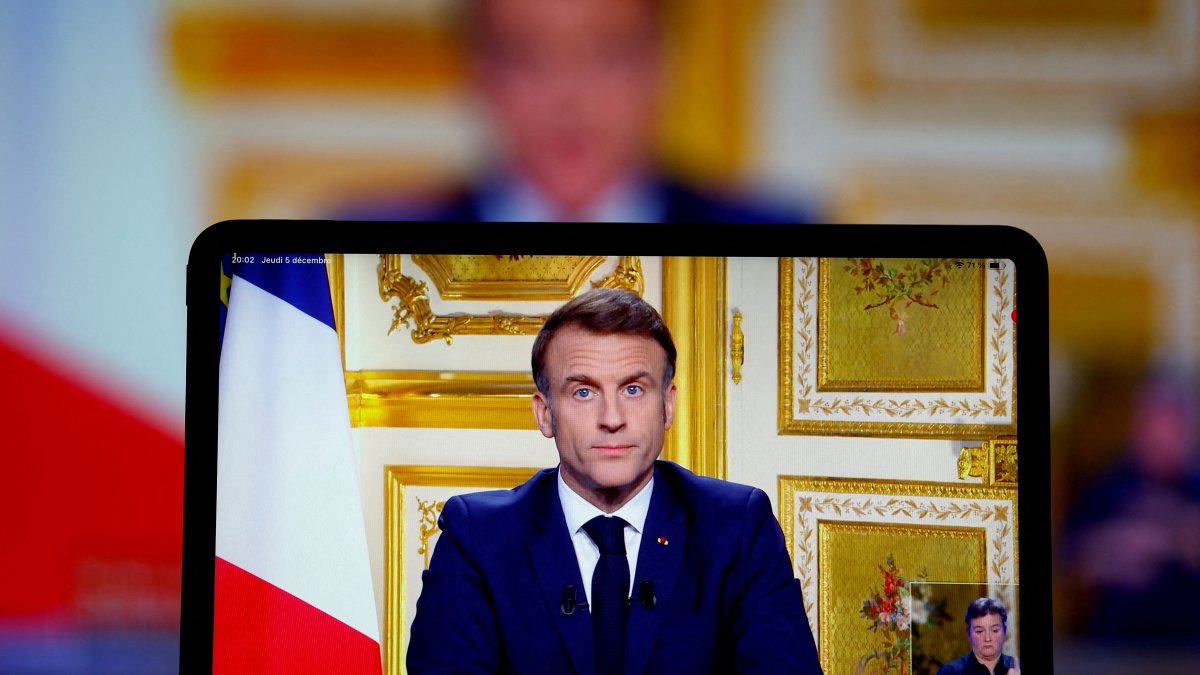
x=568, y=604
x=645, y=594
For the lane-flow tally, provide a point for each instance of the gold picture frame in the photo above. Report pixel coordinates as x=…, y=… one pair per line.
x=919, y=411
x=400, y=482
x=839, y=532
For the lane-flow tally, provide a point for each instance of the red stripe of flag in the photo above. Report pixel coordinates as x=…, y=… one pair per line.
x=261, y=628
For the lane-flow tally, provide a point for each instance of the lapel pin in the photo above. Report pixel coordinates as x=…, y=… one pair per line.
x=663, y=541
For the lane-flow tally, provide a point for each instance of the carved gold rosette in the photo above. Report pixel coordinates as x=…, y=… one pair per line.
x=995, y=461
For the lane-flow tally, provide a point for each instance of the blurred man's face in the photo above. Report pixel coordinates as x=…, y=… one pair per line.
x=987, y=635
x=573, y=87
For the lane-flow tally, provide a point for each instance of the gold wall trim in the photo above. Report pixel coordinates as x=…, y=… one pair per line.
x=737, y=348
x=694, y=304
x=899, y=501
x=627, y=276
x=711, y=44
x=396, y=480
x=1027, y=51
x=238, y=49
x=456, y=400
x=335, y=268
x=494, y=277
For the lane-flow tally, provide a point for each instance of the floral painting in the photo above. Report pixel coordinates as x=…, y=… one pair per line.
x=894, y=613
x=898, y=289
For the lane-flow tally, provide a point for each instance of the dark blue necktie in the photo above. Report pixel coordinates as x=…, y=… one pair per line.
x=610, y=594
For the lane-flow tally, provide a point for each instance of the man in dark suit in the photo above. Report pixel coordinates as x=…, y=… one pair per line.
x=572, y=90
x=614, y=562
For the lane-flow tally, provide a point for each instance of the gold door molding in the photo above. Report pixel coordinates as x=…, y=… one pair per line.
x=694, y=303
x=414, y=497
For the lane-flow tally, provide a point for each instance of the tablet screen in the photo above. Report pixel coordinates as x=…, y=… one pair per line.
x=872, y=399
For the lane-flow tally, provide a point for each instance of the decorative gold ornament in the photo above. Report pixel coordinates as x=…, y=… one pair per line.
x=627, y=276
x=995, y=461
x=429, y=509
x=1004, y=461
x=508, y=277
x=413, y=310
x=972, y=463
x=737, y=349
x=849, y=560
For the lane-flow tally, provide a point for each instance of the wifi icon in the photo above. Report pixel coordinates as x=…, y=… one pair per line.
x=958, y=264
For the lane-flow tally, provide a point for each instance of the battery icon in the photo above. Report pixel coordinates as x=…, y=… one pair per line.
x=994, y=265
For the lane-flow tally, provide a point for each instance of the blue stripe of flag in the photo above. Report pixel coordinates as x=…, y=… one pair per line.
x=305, y=285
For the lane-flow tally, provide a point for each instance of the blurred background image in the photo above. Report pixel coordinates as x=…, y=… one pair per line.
x=130, y=125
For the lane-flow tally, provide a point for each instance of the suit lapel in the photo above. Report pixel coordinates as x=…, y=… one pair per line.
x=659, y=560
x=553, y=558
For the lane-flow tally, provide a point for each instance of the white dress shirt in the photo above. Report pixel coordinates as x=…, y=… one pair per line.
x=578, y=511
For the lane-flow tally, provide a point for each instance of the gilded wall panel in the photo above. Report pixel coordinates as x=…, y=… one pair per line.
x=881, y=347
x=857, y=545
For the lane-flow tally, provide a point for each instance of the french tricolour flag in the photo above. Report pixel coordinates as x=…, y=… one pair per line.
x=293, y=582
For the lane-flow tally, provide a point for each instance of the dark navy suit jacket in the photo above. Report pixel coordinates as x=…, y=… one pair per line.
x=726, y=598
x=680, y=203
